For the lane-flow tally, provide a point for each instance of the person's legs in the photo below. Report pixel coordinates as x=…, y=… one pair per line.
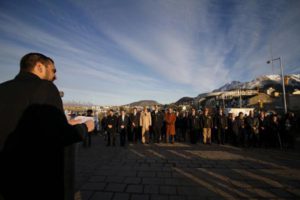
x=114, y=138
x=147, y=136
x=222, y=136
x=204, y=135
x=122, y=137
x=209, y=135
x=143, y=135
x=108, y=138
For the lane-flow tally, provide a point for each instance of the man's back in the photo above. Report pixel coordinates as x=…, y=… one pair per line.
x=18, y=94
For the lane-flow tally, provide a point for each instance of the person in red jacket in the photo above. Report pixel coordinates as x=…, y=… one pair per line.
x=170, y=119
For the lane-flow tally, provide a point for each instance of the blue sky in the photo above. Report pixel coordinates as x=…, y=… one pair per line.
x=117, y=52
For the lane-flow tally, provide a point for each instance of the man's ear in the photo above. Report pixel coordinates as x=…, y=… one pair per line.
x=39, y=67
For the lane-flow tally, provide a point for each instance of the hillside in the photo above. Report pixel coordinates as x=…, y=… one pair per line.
x=143, y=103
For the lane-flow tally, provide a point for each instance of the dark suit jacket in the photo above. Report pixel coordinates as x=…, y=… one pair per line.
x=193, y=122
x=157, y=119
x=220, y=121
x=34, y=132
x=135, y=119
x=124, y=122
x=111, y=120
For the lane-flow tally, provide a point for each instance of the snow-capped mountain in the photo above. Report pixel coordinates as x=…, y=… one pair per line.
x=230, y=86
x=262, y=82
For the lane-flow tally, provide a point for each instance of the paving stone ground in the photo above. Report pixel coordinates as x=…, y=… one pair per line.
x=183, y=171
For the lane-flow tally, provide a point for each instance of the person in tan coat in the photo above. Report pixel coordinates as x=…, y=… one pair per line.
x=145, y=123
x=170, y=119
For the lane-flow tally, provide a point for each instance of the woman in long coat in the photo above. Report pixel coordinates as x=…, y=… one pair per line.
x=170, y=119
x=145, y=123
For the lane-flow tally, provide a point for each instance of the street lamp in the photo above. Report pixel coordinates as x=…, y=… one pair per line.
x=282, y=78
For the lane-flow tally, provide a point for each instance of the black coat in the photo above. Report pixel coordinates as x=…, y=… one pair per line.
x=113, y=121
x=34, y=132
x=134, y=119
x=193, y=122
x=157, y=119
x=122, y=122
x=220, y=121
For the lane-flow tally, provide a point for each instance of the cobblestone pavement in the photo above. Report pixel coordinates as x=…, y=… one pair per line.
x=184, y=171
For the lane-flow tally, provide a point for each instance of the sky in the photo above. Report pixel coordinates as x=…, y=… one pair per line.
x=115, y=52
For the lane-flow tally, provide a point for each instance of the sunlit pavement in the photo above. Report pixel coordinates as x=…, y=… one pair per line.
x=184, y=171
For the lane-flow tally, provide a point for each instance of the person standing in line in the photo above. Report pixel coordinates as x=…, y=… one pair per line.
x=184, y=125
x=193, y=126
x=233, y=129
x=178, y=126
x=221, y=125
x=134, y=125
x=206, y=125
x=240, y=120
x=251, y=129
x=104, y=125
x=122, y=127
x=145, y=123
x=157, y=122
x=170, y=119
x=163, y=128
x=111, y=126
x=274, y=129
x=263, y=124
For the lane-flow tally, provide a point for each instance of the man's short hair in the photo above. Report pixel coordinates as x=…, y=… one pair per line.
x=29, y=61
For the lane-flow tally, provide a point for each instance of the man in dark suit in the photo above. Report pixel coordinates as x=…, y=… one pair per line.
x=221, y=125
x=123, y=122
x=111, y=126
x=35, y=133
x=157, y=123
x=194, y=126
x=134, y=124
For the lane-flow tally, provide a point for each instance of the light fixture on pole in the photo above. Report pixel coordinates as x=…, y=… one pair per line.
x=282, y=79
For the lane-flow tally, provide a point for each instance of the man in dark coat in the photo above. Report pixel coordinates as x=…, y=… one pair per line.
x=123, y=122
x=221, y=125
x=35, y=134
x=263, y=125
x=111, y=127
x=194, y=126
x=240, y=120
x=157, y=123
x=134, y=125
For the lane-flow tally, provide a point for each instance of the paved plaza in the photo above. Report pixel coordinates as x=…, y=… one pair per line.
x=184, y=171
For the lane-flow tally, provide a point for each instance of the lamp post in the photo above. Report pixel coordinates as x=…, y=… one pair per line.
x=282, y=79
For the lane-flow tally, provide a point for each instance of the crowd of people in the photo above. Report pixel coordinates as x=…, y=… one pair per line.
x=253, y=129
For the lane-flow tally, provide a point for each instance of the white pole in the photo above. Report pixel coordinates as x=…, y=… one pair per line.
x=283, y=87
